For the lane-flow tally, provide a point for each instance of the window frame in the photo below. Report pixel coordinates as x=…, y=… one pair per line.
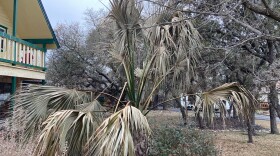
x=3, y=28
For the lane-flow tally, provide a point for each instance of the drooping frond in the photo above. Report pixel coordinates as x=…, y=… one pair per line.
x=177, y=44
x=38, y=102
x=244, y=101
x=67, y=131
x=115, y=135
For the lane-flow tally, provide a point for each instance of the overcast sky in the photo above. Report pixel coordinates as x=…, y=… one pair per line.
x=61, y=11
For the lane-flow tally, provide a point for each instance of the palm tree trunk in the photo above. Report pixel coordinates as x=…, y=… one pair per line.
x=140, y=144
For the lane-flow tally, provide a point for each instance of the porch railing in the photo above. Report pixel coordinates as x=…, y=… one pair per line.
x=19, y=52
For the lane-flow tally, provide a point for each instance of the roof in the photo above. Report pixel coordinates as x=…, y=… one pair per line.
x=33, y=24
x=48, y=22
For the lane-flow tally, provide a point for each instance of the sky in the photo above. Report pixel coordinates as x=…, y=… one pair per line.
x=68, y=11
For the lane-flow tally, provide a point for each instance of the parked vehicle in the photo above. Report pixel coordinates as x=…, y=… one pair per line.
x=190, y=107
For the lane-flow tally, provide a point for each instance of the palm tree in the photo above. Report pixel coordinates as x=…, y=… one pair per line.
x=244, y=102
x=69, y=120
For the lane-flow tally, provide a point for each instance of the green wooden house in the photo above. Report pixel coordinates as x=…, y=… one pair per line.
x=25, y=36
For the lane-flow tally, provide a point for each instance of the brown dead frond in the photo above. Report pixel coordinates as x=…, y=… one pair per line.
x=114, y=137
x=244, y=101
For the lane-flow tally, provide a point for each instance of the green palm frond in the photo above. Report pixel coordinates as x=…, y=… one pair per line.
x=38, y=102
x=115, y=135
x=67, y=131
x=244, y=101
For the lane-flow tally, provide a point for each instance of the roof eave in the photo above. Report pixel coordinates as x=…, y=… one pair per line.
x=48, y=22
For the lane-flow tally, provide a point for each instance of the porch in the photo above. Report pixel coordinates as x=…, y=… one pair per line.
x=20, y=58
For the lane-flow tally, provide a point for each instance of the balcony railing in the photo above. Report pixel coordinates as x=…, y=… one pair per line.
x=19, y=52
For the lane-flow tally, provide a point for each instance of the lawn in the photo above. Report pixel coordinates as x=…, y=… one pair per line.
x=228, y=142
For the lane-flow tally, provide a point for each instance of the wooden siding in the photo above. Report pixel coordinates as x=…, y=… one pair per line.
x=5, y=21
x=9, y=70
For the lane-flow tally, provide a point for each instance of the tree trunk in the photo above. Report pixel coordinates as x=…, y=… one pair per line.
x=184, y=115
x=230, y=109
x=273, y=97
x=253, y=122
x=250, y=131
x=183, y=111
x=277, y=108
x=155, y=102
x=186, y=102
x=166, y=90
x=164, y=106
x=199, y=120
x=235, y=116
x=141, y=144
x=273, y=122
x=273, y=106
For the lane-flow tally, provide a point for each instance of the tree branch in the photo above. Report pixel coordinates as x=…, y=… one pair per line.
x=266, y=11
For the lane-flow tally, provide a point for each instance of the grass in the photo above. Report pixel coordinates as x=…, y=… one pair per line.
x=235, y=144
x=227, y=142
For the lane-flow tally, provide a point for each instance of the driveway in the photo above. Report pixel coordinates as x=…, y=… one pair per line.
x=265, y=117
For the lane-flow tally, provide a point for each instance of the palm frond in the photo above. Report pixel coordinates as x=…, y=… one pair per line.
x=244, y=101
x=38, y=102
x=177, y=44
x=115, y=135
x=126, y=14
x=68, y=131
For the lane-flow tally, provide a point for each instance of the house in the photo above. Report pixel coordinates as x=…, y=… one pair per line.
x=25, y=36
x=263, y=96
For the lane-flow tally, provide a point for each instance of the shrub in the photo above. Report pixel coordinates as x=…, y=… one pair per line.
x=168, y=141
x=10, y=137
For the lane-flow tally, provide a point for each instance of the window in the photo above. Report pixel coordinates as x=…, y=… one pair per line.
x=2, y=29
x=5, y=91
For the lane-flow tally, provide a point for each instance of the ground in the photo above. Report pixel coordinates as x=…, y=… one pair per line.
x=228, y=142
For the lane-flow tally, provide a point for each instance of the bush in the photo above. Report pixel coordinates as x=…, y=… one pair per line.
x=10, y=137
x=168, y=141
